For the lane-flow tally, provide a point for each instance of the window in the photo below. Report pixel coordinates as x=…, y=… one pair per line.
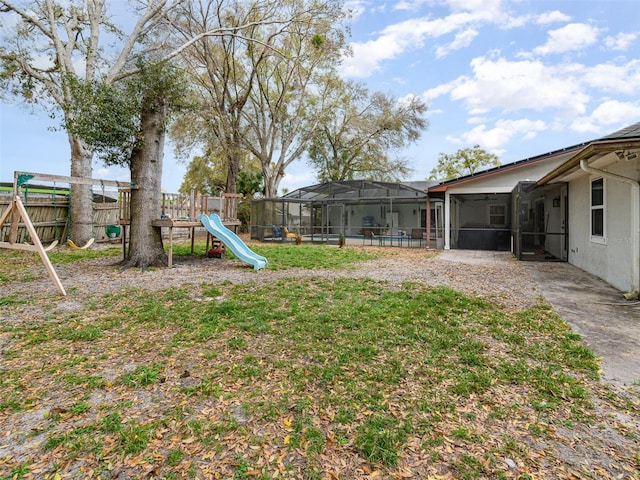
x=597, y=211
x=498, y=215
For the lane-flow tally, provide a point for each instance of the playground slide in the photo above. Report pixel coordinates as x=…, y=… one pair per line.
x=215, y=227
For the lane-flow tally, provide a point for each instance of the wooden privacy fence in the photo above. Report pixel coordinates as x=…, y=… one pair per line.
x=49, y=215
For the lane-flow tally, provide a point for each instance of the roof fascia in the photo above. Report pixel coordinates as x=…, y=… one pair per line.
x=594, y=149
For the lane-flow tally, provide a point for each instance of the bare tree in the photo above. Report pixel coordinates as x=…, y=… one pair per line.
x=287, y=105
x=219, y=69
x=141, y=144
x=259, y=87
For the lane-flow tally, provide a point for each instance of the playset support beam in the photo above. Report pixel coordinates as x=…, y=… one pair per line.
x=16, y=210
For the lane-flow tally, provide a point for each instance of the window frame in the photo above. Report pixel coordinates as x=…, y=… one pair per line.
x=503, y=206
x=593, y=237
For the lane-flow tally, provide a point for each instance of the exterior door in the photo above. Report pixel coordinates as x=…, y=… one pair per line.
x=540, y=224
x=564, y=223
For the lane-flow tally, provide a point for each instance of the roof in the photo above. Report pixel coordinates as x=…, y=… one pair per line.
x=359, y=190
x=632, y=131
x=442, y=187
x=628, y=133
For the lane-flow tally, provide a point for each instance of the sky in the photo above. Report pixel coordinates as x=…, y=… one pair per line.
x=519, y=78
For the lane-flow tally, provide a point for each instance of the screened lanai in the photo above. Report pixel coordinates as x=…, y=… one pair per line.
x=390, y=213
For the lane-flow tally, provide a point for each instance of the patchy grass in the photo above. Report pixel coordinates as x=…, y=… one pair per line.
x=314, y=378
x=65, y=255
x=289, y=255
x=21, y=266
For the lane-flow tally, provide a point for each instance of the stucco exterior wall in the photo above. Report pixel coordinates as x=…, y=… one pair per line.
x=610, y=261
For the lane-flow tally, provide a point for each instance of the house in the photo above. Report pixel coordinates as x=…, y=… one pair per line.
x=601, y=181
x=580, y=204
x=480, y=209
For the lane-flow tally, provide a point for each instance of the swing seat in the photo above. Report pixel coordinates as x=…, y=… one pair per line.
x=48, y=248
x=51, y=246
x=112, y=231
x=76, y=247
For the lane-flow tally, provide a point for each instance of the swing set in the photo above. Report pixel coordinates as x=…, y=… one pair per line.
x=16, y=213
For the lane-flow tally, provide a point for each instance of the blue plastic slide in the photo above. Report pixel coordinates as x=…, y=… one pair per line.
x=214, y=226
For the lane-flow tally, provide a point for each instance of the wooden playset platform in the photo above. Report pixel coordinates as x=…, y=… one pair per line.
x=182, y=212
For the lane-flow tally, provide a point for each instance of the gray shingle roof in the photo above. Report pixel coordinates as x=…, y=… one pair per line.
x=632, y=131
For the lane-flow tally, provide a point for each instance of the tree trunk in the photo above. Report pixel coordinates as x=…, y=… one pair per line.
x=272, y=182
x=233, y=169
x=145, y=240
x=233, y=162
x=81, y=205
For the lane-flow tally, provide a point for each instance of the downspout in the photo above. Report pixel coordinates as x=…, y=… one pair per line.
x=635, y=218
x=447, y=220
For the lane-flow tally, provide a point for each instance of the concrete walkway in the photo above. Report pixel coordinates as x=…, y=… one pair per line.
x=598, y=312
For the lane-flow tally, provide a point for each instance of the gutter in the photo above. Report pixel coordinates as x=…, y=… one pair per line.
x=635, y=219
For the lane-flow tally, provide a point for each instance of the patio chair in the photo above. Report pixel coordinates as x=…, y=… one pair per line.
x=417, y=234
x=370, y=235
x=287, y=233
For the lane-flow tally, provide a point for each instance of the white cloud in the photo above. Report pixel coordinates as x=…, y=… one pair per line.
x=392, y=42
x=355, y=7
x=407, y=99
x=552, y=17
x=492, y=6
x=571, y=37
x=495, y=138
x=397, y=38
x=545, y=18
x=608, y=113
x=463, y=39
x=410, y=5
x=438, y=91
x=8, y=23
x=615, y=79
x=622, y=41
x=476, y=120
x=298, y=175
x=613, y=112
x=509, y=86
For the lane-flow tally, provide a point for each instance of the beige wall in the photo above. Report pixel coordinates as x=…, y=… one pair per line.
x=610, y=261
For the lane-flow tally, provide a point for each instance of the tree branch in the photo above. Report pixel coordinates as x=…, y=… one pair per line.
x=154, y=8
x=26, y=16
x=217, y=32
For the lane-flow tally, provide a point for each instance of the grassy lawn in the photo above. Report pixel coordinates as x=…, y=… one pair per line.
x=301, y=378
